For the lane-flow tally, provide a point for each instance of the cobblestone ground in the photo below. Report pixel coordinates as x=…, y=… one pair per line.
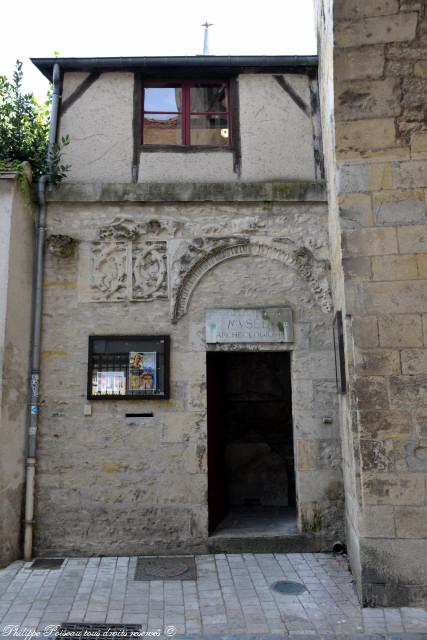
x=232, y=596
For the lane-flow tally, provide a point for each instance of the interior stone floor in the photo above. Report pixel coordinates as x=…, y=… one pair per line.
x=259, y=521
x=232, y=596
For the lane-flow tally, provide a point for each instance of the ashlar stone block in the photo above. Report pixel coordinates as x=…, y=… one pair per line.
x=357, y=268
x=419, y=141
x=415, y=456
x=354, y=9
x=365, y=331
x=399, y=207
x=414, y=361
x=422, y=265
x=365, y=135
x=412, y=239
x=401, y=330
x=411, y=5
x=410, y=174
x=356, y=210
x=398, y=68
x=356, y=100
x=369, y=242
x=393, y=297
x=317, y=485
x=411, y=522
x=313, y=365
x=395, y=28
x=420, y=69
x=394, y=267
x=408, y=391
x=377, y=522
x=377, y=362
x=393, y=489
x=425, y=328
x=393, y=153
x=365, y=177
x=389, y=559
x=382, y=425
x=178, y=426
x=371, y=393
x=188, y=366
x=362, y=63
x=377, y=455
x=421, y=424
x=306, y=454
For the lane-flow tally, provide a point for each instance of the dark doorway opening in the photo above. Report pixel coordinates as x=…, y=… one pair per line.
x=251, y=476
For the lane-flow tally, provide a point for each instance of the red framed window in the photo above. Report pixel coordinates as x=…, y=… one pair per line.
x=195, y=113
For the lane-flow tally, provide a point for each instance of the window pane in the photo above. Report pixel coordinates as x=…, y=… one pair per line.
x=162, y=129
x=208, y=97
x=162, y=98
x=209, y=130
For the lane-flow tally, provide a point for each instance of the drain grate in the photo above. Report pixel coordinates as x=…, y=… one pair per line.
x=288, y=588
x=47, y=563
x=80, y=630
x=165, y=568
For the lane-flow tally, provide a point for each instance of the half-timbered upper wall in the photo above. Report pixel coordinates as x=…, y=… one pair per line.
x=274, y=133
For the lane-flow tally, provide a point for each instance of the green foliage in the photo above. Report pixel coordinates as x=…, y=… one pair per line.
x=55, y=169
x=24, y=131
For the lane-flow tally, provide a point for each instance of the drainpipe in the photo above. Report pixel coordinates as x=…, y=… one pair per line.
x=34, y=391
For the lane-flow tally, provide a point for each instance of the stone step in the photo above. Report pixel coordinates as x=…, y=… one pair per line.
x=288, y=543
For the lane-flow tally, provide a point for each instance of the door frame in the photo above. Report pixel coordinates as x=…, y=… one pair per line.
x=212, y=415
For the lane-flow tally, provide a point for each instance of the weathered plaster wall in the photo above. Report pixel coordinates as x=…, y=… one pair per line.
x=16, y=255
x=98, y=119
x=108, y=484
x=276, y=133
x=216, y=166
x=376, y=164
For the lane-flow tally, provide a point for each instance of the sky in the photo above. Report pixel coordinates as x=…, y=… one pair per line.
x=83, y=28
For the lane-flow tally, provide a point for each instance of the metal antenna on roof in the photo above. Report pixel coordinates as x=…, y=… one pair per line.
x=206, y=25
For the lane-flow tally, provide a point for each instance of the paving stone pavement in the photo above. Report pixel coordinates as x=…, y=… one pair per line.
x=231, y=597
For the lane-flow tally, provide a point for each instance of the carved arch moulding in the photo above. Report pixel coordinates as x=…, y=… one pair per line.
x=200, y=259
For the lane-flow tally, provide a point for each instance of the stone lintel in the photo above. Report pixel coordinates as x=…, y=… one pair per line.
x=276, y=191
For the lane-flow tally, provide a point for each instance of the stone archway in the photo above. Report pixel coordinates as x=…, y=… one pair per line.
x=298, y=258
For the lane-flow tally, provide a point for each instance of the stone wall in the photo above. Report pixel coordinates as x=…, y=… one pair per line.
x=373, y=87
x=108, y=484
x=16, y=256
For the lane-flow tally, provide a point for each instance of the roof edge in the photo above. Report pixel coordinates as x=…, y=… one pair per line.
x=238, y=64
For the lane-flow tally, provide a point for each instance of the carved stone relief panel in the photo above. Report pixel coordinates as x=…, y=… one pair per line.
x=149, y=270
x=109, y=273
x=125, y=270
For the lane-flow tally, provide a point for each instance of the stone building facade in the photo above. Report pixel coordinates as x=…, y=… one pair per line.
x=148, y=241
x=155, y=241
x=373, y=84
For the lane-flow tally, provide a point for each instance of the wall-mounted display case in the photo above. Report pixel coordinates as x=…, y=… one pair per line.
x=128, y=367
